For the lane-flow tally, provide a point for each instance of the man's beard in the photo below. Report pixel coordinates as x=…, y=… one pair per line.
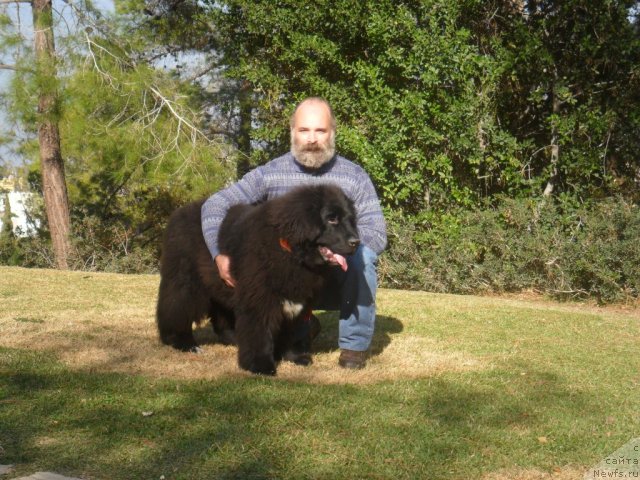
x=314, y=156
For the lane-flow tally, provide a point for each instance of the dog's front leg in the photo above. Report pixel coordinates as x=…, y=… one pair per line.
x=294, y=342
x=255, y=337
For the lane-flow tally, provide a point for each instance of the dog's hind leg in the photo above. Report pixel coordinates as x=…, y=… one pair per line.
x=178, y=308
x=223, y=323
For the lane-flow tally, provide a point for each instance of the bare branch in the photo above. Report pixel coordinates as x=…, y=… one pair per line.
x=5, y=2
x=169, y=105
x=8, y=67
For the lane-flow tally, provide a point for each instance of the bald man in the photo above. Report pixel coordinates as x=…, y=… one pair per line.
x=313, y=160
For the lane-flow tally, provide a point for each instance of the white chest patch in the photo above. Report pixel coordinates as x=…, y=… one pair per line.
x=291, y=309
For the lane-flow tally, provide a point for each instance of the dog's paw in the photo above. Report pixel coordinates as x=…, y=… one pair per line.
x=260, y=365
x=298, y=358
x=263, y=369
x=304, y=360
x=188, y=348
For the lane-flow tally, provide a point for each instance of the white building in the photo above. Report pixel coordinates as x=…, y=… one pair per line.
x=19, y=203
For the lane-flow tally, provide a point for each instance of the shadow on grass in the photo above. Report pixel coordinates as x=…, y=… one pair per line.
x=92, y=425
x=327, y=341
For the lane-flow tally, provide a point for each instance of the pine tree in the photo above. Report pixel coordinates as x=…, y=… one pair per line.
x=51, y=163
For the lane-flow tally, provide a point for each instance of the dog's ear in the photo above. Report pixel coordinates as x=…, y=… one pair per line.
x=296, y=216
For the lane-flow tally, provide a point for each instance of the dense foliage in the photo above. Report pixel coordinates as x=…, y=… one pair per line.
x=444, y=103
x=460, y=111
x=562, y=249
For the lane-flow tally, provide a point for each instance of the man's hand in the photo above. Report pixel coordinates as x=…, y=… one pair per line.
x=224, y=263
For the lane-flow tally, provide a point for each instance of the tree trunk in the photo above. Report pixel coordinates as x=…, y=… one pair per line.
x=53, y=182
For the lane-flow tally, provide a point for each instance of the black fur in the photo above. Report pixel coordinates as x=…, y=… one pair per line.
x=268, y=276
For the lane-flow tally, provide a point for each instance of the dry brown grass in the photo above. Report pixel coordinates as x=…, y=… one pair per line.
x=105, y=322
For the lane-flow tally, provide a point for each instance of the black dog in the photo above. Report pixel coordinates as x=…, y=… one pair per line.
x=280, y=252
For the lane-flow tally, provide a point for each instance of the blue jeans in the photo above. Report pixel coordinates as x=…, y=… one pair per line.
x=353, y=293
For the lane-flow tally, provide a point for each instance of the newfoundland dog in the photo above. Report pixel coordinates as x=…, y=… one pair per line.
x=280, y=251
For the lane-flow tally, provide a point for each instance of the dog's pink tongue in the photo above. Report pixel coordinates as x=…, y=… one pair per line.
x=341, y=261
x=334, y=258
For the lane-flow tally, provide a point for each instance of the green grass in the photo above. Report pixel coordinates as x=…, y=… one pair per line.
x=556, y=388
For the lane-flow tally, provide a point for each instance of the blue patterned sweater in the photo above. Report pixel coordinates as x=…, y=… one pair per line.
x=284, y=173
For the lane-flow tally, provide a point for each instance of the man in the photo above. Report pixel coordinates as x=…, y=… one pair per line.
x=313, y=160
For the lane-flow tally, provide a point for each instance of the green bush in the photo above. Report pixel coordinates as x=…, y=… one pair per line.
x=560, y=248
x=113, y=247
x=29, y=252
x=604, y=258
x=94, y=247
x=121, y=236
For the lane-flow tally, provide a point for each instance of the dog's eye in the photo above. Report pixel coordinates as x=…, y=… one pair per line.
x=332, y=220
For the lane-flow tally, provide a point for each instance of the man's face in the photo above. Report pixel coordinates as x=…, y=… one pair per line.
x=312, y=138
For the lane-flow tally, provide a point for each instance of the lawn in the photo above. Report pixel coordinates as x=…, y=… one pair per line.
x=457, y=387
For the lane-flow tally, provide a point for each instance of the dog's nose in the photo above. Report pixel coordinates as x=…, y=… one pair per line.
x=354, y=242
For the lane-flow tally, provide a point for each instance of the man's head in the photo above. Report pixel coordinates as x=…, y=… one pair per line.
x=313, y=132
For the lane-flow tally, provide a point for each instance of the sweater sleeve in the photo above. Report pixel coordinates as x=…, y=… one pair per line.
x=371, y=224
x=250, y=189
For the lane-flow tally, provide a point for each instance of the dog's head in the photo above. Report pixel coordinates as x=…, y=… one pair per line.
x=318, y=222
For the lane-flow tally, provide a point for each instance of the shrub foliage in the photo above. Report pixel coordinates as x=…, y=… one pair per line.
x=561, y=249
